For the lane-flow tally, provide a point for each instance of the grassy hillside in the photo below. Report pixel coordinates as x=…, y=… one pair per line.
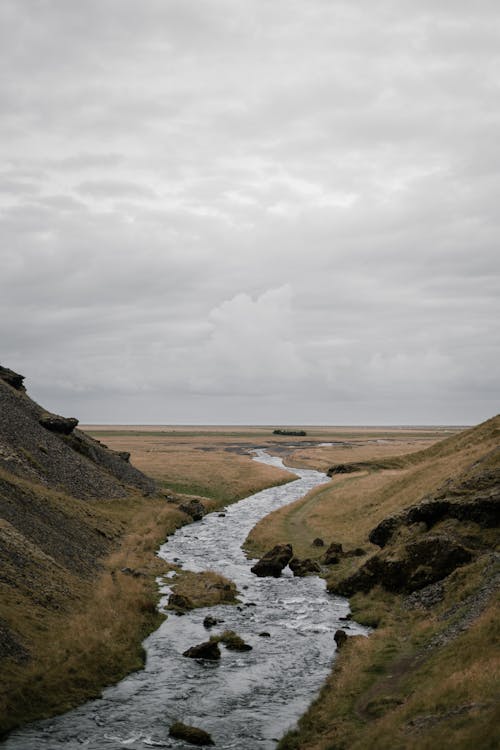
x=428, y=675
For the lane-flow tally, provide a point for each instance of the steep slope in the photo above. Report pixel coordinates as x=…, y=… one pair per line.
x=65, y=503
x=48, y=449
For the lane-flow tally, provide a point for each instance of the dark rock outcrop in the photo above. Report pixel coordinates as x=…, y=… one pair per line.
x=333, y=554
x=194, y=508
x=12, y=378
x=342, y=469
x=340, y=638
x=290, y=433
x=56, y=423
x=193, y=735
x=66, y=459
x=301, y=568
x=475, y=500
x=274, y=561
x=409, y=567
x=207, y=650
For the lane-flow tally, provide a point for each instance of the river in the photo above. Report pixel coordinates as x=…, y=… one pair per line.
x=246, y=700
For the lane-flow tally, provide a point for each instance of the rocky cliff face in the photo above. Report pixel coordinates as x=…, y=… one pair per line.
x=53, y=481
x=48, y=449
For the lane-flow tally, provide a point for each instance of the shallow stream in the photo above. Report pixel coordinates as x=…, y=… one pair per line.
x=246, y=700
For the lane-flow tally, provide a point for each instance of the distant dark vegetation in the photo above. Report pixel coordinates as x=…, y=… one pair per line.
x=290, y=433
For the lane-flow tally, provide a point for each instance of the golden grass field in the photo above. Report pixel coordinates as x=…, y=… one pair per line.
x=213, y=462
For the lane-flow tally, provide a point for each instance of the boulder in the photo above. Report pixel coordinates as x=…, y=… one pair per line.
x=232, y=641
x=302, y=568
x=340, y=638
x=193, y=735
x=332, y=554
x=210, y=622
x=124, y=455
x=342, y=469
x=58, y=424
x=178, y=601
x=318, y=542
x=274, y=561
x=194, y=508
x=12, y=378
x=207, y=650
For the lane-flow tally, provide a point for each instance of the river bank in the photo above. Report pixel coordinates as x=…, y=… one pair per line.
x=428, y=675
x=90, y=632
x=249, y=698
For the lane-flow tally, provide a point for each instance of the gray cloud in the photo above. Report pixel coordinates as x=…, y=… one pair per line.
x=251, y=211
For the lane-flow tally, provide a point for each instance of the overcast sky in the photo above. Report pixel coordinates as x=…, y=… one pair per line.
x=252, y=211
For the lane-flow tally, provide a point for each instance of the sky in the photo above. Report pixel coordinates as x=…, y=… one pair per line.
x=252, y=211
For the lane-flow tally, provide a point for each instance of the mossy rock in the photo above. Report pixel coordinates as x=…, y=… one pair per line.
x=193, y=735
x=232, y=641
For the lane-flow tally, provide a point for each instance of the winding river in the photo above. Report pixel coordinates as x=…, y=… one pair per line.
x=246, y=700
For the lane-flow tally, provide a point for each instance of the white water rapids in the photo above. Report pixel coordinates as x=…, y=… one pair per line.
x=246, y=700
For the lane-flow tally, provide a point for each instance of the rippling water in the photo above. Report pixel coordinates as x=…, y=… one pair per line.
x=246, y=700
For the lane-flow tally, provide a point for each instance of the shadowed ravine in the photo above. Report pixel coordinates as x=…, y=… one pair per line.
x=247, y=699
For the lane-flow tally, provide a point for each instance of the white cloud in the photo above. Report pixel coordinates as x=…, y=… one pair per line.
x=250, y=347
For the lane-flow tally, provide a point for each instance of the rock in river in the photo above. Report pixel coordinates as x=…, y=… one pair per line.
x=207, y=650
x=194, y=508
x=302, y=568
x=179, y=601
x=210, y=622
x=273, y=561
x=193, y=735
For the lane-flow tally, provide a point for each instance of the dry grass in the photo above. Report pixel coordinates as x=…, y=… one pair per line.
x=347, y=508
x=96, y=640
x=207, y=589
x=394, y=688
x=198, y=465
x=392, y=685
x=376, y=446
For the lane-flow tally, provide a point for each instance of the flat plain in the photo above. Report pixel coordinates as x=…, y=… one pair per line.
x=215, y=462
